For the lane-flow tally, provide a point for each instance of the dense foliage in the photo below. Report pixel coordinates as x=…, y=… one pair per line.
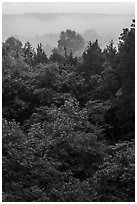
x=68, y=121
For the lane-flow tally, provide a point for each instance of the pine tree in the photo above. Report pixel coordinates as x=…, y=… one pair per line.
x=40, y=56
x=92, y=60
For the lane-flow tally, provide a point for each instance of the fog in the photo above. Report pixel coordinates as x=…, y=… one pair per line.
x=31, y=25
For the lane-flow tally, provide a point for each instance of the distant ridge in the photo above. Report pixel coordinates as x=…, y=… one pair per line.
x=68, y=13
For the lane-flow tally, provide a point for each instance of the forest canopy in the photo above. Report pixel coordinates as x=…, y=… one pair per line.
x=68, y=120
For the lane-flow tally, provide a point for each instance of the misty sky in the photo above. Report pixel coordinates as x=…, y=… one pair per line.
x=68, y=7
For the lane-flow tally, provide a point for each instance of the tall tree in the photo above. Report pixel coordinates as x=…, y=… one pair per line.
x=127, y=54
x=92, y=60
x=12, y=47
x=70, y=42
x=122, y=114
x=40, y=56
x=110, y=53
x=28, y=52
